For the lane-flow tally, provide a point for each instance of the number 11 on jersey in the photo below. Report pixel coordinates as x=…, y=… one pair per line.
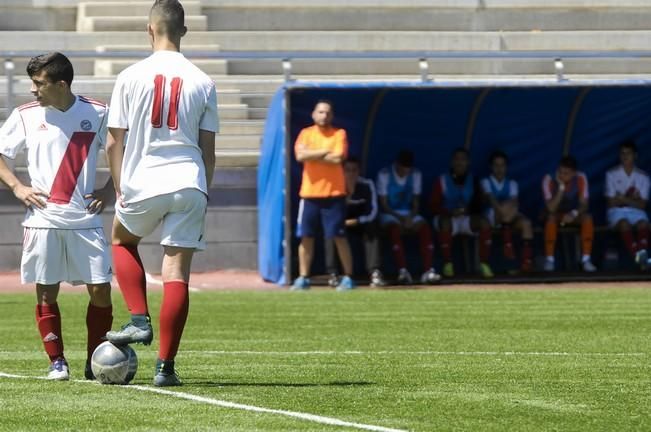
x=159, y=99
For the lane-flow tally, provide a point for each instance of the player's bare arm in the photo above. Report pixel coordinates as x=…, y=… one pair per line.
x=333, y=158
x=553, y=203
x=26, y=194
x=303, y=154
x=207, y=145
x=115, y=155
x=101, y=197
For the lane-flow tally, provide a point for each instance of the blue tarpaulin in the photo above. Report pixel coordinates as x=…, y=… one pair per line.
x=534, y=122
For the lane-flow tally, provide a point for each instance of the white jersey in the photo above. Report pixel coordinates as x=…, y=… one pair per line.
x=62, y=150
x=618, y=182
x=501, y=190
x=388, y=175
x=163, y=101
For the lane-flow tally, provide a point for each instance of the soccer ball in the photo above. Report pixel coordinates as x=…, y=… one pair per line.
x=112, y=364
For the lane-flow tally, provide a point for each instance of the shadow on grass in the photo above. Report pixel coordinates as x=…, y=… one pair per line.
x=279, y=384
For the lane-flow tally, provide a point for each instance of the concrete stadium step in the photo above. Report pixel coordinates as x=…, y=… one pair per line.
x=228, y=97
x=119, y=8
x=112, y=67
x=132, y=23
x=445, y=17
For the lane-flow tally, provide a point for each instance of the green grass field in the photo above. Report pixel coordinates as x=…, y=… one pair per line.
x=448, y=359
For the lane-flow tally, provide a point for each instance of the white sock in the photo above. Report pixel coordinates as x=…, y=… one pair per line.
x=585, y=258
x=550, y=259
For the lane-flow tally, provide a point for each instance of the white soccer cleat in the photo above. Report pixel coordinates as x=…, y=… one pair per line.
x=430, y=277
x=549, y=265
x=404, y=277
x=588, y=266
x=58, y=370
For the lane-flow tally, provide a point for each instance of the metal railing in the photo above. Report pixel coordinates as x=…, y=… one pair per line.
x=421, y=59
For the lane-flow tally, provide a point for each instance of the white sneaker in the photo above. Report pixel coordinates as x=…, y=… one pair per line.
x=404, y=278
x=588, y=266
x=550, y=265
x=430, y=277
x=58, y=370
x=642, y=259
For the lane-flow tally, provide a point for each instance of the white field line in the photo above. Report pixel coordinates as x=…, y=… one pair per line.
x=225, y=404
x=432, y=353
x=152, y=280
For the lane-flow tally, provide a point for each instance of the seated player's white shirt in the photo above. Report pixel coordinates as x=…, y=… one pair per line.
x=62, y=150
x=491, y=184
x=388, y=174
x=618, y=182
x=163, y=101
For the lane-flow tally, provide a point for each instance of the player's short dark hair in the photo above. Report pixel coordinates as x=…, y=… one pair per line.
x=569, y=162
x=498, y=154
x=461, y=150
x=170, y=16
x=353, y=159
x=628, y=144
x=405, y=158
x=56, y=66
x=327, y=102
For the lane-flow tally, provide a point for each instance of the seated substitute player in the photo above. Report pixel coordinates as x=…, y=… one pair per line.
x=457, y=206
x=63, y=238
x=627, y=192
x=321, y=149
x=361, y=220
x=566, y=200
x=501, y=194
x=399, y=189
x=162, y=169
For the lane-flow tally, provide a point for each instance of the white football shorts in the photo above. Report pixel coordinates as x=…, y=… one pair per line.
x=53, y=255
x=630, y=214
x=182, y=214
x=389, y=219
x=460, y=225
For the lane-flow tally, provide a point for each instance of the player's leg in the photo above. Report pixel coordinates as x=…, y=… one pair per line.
x=551, y=233
x=626, y=233
x=331, y=262
x=133, y=222
x=48, y=319
x=444, y=229
x=173, y=312
x=426, y=249
x=642, y=255
x=371, y=239
x=99, y=319
x=480, y=224
x=306, y=229
x=523, y=225
x=43, y=263
x=392, y=226
x=587, y=235
x=333, y=220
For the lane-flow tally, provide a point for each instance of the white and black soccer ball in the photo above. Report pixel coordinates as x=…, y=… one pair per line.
x=112, y=364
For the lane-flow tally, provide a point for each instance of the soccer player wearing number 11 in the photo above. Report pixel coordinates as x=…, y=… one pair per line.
x=161, y=169
x=63, y=238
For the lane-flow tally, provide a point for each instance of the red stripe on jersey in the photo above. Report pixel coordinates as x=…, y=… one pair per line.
x=73, y=160
x=157, y=103
x=28, y=105
x=92, y=101
x=175, y=96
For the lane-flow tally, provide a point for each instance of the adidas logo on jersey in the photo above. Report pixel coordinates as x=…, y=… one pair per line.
x=50, y=337
x=42, y=127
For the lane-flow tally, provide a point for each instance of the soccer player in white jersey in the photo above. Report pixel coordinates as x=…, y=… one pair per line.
x=63, y=238
x=161, y=169
x=627, y=192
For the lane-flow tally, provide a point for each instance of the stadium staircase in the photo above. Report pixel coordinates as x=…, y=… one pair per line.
x=246, y=85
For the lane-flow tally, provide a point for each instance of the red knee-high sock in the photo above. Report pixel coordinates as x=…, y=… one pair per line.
x=445, y=240
x=173, y=313
x=48, y=319
x=485, y=241
x=527, y=253
x=98, y=322
x=629, y=242
x=396, y=246
x=130, y=274
x=426, y=246
x=643, y=238
x=507, y=239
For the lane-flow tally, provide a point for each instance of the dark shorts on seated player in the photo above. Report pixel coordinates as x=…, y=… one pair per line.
x=330, y=212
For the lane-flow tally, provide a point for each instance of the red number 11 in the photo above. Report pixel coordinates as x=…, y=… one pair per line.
x=159, y=98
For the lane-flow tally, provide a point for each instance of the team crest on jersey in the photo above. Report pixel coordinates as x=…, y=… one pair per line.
x=86, y=125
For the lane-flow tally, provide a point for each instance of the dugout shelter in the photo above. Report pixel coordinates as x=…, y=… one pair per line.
x=535, y=122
